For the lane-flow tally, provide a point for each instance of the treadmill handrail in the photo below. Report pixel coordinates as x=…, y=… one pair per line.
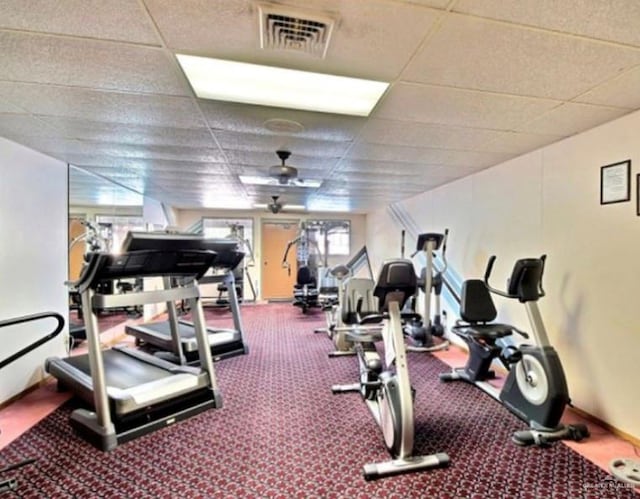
x=100, y=301
x=29, y=318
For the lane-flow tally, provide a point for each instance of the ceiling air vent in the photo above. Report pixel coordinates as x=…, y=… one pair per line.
x=288, y=28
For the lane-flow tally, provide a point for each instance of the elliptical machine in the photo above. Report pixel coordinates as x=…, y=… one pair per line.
x=385, y=385
x=422, y=331
x=535, y=389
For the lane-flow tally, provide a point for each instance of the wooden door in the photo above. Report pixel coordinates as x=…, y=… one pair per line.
x=277, y=284
x=76, y=252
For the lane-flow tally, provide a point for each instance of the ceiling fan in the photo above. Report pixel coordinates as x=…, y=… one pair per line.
x=281, y=175
x=288, y=175
x=275, y=207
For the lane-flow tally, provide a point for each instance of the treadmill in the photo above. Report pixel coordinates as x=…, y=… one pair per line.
x=161, y=335
x=132, y=392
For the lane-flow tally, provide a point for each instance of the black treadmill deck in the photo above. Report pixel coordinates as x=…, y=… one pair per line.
x=224, y=343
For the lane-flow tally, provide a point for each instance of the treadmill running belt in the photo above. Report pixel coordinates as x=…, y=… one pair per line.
x=121, y=370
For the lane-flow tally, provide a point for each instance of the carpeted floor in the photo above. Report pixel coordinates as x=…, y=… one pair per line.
x=282, y=434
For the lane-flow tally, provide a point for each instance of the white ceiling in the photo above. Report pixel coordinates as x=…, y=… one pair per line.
x=473, y=82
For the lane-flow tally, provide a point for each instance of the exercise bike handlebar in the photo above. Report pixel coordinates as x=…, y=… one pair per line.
x=444, y=251
x=506, y=294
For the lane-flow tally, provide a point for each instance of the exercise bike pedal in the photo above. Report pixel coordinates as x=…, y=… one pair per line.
x=527, y=437
x=578, y=432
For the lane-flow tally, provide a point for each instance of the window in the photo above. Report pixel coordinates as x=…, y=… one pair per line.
x=117, y=227
x=240, y=228
x=336, y=232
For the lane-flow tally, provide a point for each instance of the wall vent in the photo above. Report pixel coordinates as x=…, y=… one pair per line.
x=288, y=28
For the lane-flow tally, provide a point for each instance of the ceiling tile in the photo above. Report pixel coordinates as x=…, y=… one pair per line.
x=125, y=133
x=272, y=143
x=7, y=107
x=517, y=142
x=425, y=156
x=364, y=167
x=374, y=42
x=14, y=125
x=139, y=166
x=475, y=159
x=95, y=105
x=386, y=152
x=570, y=118
x=88, y=63
x=621, y=91
x=448, y=106
x=113, y=20
x=379, y=131
x=485, y=55
x=244, y=118
x=615, y=21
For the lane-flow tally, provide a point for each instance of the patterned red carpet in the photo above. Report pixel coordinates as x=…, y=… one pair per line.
x=282, y=434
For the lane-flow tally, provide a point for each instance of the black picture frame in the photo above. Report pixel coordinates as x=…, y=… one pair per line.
x=638, y=194
x=615, y=182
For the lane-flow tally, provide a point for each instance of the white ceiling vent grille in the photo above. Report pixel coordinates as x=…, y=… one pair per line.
x=287, y=28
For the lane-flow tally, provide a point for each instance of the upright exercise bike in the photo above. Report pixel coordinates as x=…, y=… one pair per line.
x=421, y=331
x=387, y=390
x=535, y=389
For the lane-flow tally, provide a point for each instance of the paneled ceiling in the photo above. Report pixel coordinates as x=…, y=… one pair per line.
x=473, y=83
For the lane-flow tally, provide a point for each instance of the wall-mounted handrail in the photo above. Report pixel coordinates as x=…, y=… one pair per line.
x=38, y=342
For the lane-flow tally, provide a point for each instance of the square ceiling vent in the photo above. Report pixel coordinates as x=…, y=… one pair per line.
x=299, y=30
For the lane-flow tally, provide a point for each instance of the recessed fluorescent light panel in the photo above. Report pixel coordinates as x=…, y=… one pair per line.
x=251, y=180
x=232, y=81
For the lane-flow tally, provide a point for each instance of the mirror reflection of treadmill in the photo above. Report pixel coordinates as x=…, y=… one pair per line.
x=129, y=392
x=225, y=342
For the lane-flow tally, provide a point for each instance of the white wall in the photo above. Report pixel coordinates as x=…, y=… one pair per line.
x=33, y=259
x=548, y=201
x=187, y=218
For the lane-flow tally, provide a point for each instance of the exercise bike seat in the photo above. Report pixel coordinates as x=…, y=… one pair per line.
x=477, y=312
x=487, y=332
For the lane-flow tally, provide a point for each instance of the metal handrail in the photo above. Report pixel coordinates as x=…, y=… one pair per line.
x=37, y=343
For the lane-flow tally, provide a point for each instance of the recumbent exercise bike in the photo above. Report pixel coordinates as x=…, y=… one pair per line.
x=535, y=389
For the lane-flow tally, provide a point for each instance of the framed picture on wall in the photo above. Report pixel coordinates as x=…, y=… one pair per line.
x=638, y=194
x=615, y=182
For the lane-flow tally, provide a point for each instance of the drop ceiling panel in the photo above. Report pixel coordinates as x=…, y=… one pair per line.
x=620, y=92
x=401, y=133
x=570, y=118
x=517, y=142
x=384, y=152
x=272, y=143
x=16, y=125
x=57, y=148
x=69, y=55
x=373, y=42
x=7, y=107
x=197, y=154
x=486, y=55
x=147, y=166
x=424, y=155
x=126, y=133
x=449, y=106
x=615, y=21
x=389, y=167
x=113, y=20
x=252, y=119
x=88, y=63
x=95, y=105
